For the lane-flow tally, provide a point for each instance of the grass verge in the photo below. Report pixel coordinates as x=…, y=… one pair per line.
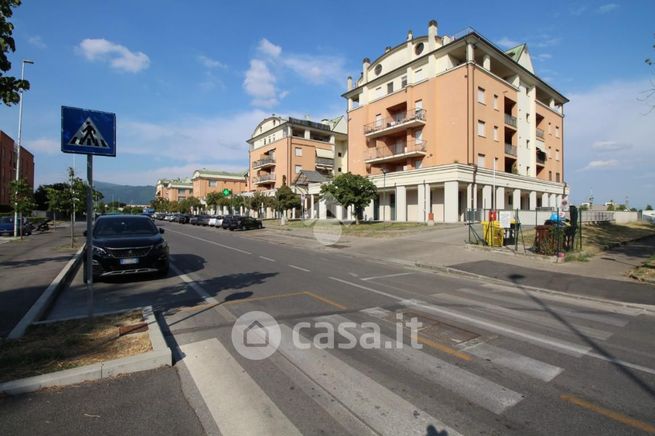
x=645, y=272
x=365, y=229
x=62, y=345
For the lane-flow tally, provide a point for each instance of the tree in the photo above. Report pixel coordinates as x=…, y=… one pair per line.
x=285, y=199
x=213, y=198
x=185, y=206
x=236, y=202
x=10, y=87
x=160, y=204
x=351, y=190
x=22, y=200
x=258, y=201
x=649, y=207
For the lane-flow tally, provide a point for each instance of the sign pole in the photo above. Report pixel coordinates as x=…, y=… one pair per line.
x=89, y=233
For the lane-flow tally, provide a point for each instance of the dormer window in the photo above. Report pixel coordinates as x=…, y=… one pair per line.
x=378, y=69
x=419, y=48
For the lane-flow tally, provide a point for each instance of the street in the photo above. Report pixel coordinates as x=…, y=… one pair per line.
x=494, y=359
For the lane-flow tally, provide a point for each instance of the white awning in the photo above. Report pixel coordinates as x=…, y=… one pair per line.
x=321, y=152
x=541, y=146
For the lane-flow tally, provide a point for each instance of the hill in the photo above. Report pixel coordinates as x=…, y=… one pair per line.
x=125, y=193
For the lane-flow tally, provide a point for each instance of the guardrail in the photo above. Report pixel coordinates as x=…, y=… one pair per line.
x=398, y=120
x=510, y=149
x=264, y=161
x=510, y=120
x=396, y=149
x=540, y=133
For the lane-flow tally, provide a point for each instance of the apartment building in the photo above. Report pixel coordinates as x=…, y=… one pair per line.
x=205, y=181
x=282, y=148
x=442, y=124
x=8, y=168
x=174, y=189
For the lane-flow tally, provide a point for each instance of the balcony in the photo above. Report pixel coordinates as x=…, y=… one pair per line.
x=265, y=179
x=541, y=159
x=324, y=162
x=397, y=123
x=397, y=152
x=264, y=163
x=510, y=120
x=510, y=150
x=540, y=133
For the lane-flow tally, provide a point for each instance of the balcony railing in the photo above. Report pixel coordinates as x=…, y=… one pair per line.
x=324, y=162
x=396, y=152
x=266, y=178
x=510, y=149
x=264, y=162
x=398, y=122
x=510, y=120
x=540, y=133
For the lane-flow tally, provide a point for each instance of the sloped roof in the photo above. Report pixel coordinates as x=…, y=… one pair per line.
x=216, y=173
x=515, y=52
x=306, y=177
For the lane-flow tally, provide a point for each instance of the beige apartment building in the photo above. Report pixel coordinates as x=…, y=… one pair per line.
x=442, y=124
x=206, y=181
x=174, y=189
x=283, y=148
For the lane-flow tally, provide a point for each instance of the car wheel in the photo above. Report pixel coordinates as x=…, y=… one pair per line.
x=260, y=226
x=243, y=227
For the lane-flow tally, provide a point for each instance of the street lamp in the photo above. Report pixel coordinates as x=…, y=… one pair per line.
x=20, y=134
x=384, y=206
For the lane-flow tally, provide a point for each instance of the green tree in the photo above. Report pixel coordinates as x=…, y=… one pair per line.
x=285, y=199
x=610, y=207
x=22, y=200
x=185, y=206
x=213, y=198
x=258, y=201
x=351, y=190
x=160, y=204
x=236, y=202
x=649, y=207
x=10, y=87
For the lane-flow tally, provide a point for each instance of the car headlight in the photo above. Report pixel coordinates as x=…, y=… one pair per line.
x=161, y=246
x=99, y=251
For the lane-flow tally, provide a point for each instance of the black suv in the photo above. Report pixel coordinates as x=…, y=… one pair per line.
x=128, y=244
x=245, y=222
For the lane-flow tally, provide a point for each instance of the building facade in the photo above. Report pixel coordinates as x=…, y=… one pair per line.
x=281, y=148
x=8, y=168
x=206, y=181
x=174, y=189
x=444, y=124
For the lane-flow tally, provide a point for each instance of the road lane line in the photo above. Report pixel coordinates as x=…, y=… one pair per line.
x=299, y=268
x=202, y=293
x=326, y=300
x=611, y=414
x=387, y=276
x=267, y=258
x=384, y=411
x=236, y=402
x=211, y=242
x=475, y=389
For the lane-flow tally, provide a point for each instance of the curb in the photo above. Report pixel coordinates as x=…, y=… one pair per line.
x=446, y=269
x=42, y=305
x=160, y=356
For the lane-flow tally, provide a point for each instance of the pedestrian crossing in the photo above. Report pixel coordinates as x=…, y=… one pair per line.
x=352, y=386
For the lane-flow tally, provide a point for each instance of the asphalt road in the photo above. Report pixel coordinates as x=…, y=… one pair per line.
x=494, y=359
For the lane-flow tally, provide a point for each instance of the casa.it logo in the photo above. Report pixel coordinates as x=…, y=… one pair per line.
x=256, y=335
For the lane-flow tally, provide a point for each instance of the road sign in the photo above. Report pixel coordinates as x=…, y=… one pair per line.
x=88, y=132
x=227, y=192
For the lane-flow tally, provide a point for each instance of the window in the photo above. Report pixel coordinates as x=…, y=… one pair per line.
x=550, y=129
x=418, y=136
x=298, y=151
x=481, y=128
x=389, y=87
x=481, y=160
x=480, y=95
x=557, y=131
x=378, y=69
x=418, y=163
x=495, y=133
x=403, y=81
x=557, y=177
x=419, y=48
x=339, y=169
x=556, y=154
x=527, y=118
x=419, y=75
x=378, y=120
x=550, y=176
x=339, y=154
x=495, y=102
x=213, y=183
x=298, y=169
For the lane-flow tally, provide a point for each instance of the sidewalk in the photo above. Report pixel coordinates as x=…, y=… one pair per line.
x=26, y=269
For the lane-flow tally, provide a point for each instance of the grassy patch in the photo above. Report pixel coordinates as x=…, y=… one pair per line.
x=645, y=272
x=602, y=237
x=364, y=229
x=67, y=344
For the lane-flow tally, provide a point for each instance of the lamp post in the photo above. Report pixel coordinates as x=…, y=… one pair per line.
x=384, y=206
x=20, y=134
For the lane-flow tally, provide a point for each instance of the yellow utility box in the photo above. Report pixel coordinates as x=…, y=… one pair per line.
x=493, y=233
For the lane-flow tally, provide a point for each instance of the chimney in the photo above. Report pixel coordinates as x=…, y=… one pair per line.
x=350, y=83
x=365, y=64
x=410, y=35
x=432, y=35
x=387, y=49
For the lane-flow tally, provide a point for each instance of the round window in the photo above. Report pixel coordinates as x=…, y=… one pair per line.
x=378, y=69
x=419, y=48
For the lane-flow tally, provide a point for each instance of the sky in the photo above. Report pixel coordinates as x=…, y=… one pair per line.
x=190, y=80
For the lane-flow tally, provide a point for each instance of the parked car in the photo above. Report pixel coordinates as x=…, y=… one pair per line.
x=216, y=221
x=7, y=226
x=203, y=220
x=245, y=222
x=181, y=218
x=193, y=219
x=128, y=244
x=227, y=219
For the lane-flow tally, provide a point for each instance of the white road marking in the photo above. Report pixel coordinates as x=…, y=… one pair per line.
x=478, y=390
x=381, y=409
x=267, y=258
x=517, y=362
x=237, y=404
x=204, y=294
x=388, y=276
x=299, y=268
x=377, y=312
x=211, y=242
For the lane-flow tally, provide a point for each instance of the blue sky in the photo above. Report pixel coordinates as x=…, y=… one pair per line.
x=190, y=80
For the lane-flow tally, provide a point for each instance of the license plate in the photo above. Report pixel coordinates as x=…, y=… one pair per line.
x=129, y=261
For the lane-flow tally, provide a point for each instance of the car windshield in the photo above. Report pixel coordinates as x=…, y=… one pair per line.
x=6, y=220
x=124, y=226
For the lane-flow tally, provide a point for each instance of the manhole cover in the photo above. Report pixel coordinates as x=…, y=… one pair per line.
x=439, y=331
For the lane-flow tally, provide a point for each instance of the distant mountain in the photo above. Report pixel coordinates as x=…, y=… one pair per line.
x=125, y=193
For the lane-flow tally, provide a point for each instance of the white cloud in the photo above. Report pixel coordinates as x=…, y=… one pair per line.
x=37, y=42
x=267, y=48
x=118, y=56
x=317, y=69
x=607, y=8
x=150, y=176
x=260, y=84
x=506, y=42
x=43, y=145
x=543, y=56
x=610, y=146
x=601, y=164
x=210, y=63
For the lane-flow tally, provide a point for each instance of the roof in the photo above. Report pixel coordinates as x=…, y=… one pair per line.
x=216, y=174
x=306, y=177
x=515, y=52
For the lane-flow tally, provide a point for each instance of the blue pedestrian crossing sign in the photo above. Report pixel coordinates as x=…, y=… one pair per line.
x=86, y=131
